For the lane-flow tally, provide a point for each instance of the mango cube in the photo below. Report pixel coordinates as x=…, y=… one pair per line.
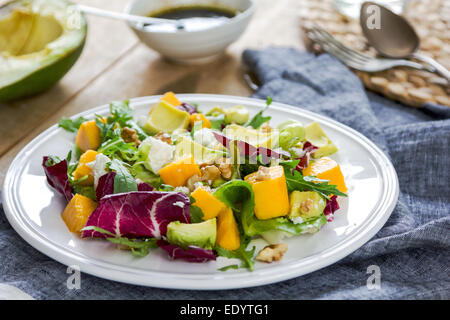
x=327, y=169
x=88, y=136
x=210, y=205
x=84, y=170
x=171, y=98
x=271, y=194
x=77, y=212
x=177, y=173
x=227, y=230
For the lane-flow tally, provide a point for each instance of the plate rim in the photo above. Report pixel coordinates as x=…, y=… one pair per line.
x=197, y=281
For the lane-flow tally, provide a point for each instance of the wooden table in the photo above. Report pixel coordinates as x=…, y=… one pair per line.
x=115, y=66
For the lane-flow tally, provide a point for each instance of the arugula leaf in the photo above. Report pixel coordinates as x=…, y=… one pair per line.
x=217, y=122
x=296, y=181
x=196, y=212
x=138, y=247
x=123, y=181
x=140, y=172
x=258, y=119
x=121, y=112
x=231, y=266
x=246, y=256
x=71, y=125
x=117, y=148
x=87, y=191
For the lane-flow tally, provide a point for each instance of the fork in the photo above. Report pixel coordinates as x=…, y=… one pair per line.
x=355, y=59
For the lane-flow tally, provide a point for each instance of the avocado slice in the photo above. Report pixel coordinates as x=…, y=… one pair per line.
x=256, y=138
x=39, y=43
x=315, y=135
x=166, y=118
x=201, y=154
x=201, y=235
x=305, y=205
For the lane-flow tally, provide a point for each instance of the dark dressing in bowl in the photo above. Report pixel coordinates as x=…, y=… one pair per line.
x=191, y=18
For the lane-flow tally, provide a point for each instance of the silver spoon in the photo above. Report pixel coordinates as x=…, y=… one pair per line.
x=395, y=38
x=140, y=20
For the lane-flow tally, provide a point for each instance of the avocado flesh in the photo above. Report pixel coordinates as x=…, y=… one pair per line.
x=315, y=135
x=254, y=137
x=38, y=45
x=166, y=118
x=201, y=235
x=201, y=154
x=305, y=205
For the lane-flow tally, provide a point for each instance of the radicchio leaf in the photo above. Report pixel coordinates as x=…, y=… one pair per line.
x=143, y=186
x=187, y=107
x=138, y=214
x=105, y=185
x=246, y=149
x=191, y=254
x=331, y=206
x=308, y=149
x=56, y=173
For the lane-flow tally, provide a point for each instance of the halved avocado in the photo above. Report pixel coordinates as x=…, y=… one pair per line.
x=40, y=40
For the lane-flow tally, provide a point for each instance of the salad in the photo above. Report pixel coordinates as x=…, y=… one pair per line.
x=197, y=185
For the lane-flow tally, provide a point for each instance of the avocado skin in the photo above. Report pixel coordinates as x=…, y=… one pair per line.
x=41, y=79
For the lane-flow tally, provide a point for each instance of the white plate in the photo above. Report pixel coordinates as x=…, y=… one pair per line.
x=34, y=210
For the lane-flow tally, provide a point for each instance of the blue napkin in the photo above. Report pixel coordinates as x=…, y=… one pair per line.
x=410, y=254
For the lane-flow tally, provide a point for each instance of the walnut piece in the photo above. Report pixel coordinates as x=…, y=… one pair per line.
x=272, y=252
x=129, y=135
x=225, y=168
x=210, y=173
x=163, y=137
x=263, y=173
x=192, y=181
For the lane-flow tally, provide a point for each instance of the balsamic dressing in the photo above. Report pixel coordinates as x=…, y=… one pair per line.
x=191, y=18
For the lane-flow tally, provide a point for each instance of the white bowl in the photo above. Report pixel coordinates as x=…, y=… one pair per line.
x=192, y=46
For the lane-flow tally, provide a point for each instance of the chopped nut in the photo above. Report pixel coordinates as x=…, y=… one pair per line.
x=163, y=137
x=129, y=135
x=306, y=205
x=225, y=168
x=210, y=173
x=272, y=252
x=191, y=182
x=263, y=173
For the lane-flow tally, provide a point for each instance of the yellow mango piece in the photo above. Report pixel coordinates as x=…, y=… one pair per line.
x=210, y=205
x=327, y=169
x=78, y=211
x=83, y=170
x=88, y=136
x=170, y=97
x=177, y=173
x=227, y=230
x=271, y=194
x=199, y=117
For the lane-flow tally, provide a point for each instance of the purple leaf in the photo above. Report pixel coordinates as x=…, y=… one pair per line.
x=142, y=186
x=308, y=149
x=138, y=214
x=246, y=149
x=188, y=108
x=191, y=254
x=57, y=176
x=331, y=206
x=105, y=185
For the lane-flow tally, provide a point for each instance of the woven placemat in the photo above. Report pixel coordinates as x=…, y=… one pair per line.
x=431, y=20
